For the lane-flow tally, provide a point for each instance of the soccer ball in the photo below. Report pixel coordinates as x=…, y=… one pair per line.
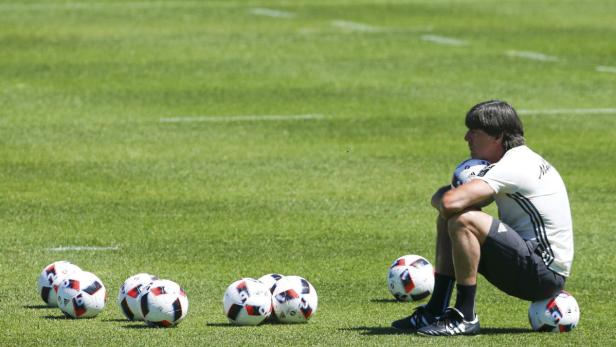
x=410, y=278
x=50, y=279
x=163, y=304
x=467, y=170
x=128, y=295
x=295, y=300
x=81, y=295
x=270, y=280
x=247, y=302
x=558, y=314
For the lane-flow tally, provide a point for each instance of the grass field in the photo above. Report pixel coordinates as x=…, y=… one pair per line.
x=85, y=160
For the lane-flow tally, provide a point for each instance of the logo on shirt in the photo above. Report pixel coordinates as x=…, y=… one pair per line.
x=485, y=170
x=544, y=168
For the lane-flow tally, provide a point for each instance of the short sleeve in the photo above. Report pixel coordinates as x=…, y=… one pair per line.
x=500, y=177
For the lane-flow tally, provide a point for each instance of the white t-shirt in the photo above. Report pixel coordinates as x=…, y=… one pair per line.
x=532, y=199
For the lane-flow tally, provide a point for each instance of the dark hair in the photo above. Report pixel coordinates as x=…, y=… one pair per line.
x=497, y=118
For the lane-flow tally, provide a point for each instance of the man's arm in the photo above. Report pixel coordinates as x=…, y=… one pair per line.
x=469, y=195
x=438, y=196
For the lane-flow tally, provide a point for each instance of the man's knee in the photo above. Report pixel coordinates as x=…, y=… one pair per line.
x=460, y=221
x=476, y=222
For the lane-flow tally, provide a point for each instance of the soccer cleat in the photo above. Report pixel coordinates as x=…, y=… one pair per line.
x=451, y=323
x=420, y=318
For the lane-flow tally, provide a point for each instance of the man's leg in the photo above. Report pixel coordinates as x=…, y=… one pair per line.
x=467, y=232
x=443, y=284
x=444, y=270
x=444, y=260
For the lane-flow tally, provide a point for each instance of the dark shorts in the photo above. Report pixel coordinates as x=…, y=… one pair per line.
x=515, y=266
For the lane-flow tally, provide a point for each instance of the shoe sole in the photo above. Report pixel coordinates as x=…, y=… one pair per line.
x=406, y=330
x=461, y=334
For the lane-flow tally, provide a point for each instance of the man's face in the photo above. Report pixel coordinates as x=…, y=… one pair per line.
x=484, y=146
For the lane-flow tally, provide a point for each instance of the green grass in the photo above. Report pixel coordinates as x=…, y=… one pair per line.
x=85, y=160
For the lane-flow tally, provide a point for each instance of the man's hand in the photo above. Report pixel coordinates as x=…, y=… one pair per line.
x=438, y=196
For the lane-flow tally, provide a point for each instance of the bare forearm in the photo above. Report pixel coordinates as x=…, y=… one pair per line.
x=471, y=195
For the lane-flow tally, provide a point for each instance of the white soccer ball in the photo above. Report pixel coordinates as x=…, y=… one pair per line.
x=410, y=278
x=50, y=279
x=247, y=302
x=558, y=314
x=163, y=304
x=270, y=280
x=466, y=170
x=295, y=300
x=128, y=295
x=81, y=295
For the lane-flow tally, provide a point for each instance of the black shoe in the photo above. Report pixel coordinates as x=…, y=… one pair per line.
x=420, y=318
x=451, y=323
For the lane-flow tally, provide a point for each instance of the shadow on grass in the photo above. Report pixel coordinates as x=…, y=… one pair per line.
x=138, y=326
x=384, y=301
x=50, y=317
x=224, y=325
x=269, y=321
x=393, y=331
x=376, y=331
x=117, y=320
x=38, y=307
x=497, y=331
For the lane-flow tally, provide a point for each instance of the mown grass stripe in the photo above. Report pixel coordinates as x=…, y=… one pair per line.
x=532, y=56
x=354, y=26
x=570, y=111
x=247, y=118
x=444, y=40
x=83, y=248
x=268, y=12
x=610, y=69
x=51, y=6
